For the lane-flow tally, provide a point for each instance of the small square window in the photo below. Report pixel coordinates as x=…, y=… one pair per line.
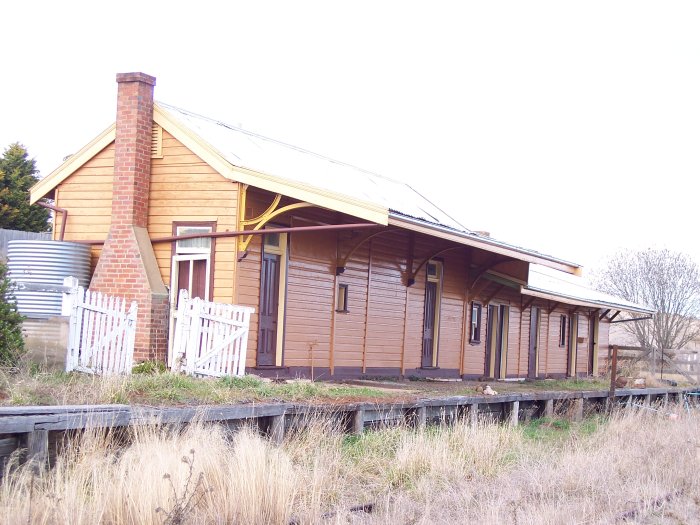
x=475, y=324
x=341, y=303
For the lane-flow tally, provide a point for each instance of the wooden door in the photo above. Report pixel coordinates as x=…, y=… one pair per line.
x=493, y=343
x=429, y=324
x=533, y=351
x=592, y=343
x=269, y=303
x=496, y=341
x=192, y=276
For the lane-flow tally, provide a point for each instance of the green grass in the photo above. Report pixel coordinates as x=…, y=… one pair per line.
x=570, y=384
x=555, y=429
x=150, y=386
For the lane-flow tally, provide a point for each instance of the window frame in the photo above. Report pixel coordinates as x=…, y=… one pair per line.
x=342, y=297
x=479, y=308
x=563, y=330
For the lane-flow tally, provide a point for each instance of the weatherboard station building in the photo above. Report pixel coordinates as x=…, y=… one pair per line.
x=351, y=274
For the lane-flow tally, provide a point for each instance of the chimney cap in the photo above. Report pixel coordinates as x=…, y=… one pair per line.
x=136, y=77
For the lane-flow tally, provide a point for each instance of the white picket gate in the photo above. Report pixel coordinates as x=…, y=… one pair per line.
x=210, y=338
x=101, y=333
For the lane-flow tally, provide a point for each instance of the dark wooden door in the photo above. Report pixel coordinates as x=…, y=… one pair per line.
x=494, y=341
x=591, y=341
x=534, y=342
x=198, y=286
x=429, y=324
x=269, y=301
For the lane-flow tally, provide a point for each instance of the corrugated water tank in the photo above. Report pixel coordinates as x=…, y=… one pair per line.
x=45, y=262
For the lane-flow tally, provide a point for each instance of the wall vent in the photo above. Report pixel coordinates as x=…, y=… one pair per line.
x=157, y=142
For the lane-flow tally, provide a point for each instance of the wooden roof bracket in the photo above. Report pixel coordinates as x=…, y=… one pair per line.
x=481, y=271
x=342, y=262
x=602, y=316
x=261, y=220
x=527, y=304
x=552, y=307
x=474, y=292
x=615, y=315
x=494, y=294
x=411, y=280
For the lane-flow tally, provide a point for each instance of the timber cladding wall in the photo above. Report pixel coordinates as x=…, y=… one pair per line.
x=186, y=189
x=87, y=194
x=381, y=330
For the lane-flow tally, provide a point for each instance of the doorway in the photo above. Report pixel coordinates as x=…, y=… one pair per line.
x=497, y=341
x=431, y=314
x=273, y=271
x=533, y=350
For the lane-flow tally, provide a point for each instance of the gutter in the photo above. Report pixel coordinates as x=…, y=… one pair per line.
x=58, y=210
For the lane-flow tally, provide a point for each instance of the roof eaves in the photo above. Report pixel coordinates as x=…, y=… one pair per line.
x=471, y=238
x=568, y=299
x=72, y=164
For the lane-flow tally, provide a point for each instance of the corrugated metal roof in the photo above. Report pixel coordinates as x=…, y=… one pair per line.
x=571, y=289
x=252, y=151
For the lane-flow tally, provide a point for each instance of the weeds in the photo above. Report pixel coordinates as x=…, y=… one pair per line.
x=543, y=472
x=183, y=505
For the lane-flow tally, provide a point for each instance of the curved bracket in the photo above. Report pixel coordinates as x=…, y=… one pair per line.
x=342, y=262
x=270, y=209
x=412, y=276
x=485, y=268
x=268, y=216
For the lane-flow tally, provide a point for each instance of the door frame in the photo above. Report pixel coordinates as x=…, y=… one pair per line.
x=533, y=365
x=497, y=343
x=282, y=250
x=437, y=279
x=175, y=261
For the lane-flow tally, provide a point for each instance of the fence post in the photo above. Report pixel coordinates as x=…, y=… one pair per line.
x=74, y=326
x=69, y=298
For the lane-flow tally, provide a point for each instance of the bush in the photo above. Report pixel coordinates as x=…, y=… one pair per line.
x=11, y=340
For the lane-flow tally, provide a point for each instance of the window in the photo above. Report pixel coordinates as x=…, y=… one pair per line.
x=341, y=302
x=475, y=324
x=197, y=245
x=562, y=331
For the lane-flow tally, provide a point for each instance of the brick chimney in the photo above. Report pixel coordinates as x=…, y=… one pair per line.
x=127, y=266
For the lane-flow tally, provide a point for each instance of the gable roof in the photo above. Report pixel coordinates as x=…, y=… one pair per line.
x=253, y=159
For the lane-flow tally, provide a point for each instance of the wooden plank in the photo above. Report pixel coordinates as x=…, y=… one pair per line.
x=514, y=413
x=358, y=421
x=38, y=448
x=8, y=445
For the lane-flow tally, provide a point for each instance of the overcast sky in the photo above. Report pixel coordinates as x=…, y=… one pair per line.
x=572, y=128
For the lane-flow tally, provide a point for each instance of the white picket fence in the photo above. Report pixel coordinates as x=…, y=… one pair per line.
x=101, y=332
x=210, y=339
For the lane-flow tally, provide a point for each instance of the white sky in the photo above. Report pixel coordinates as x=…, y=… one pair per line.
x=572, y=128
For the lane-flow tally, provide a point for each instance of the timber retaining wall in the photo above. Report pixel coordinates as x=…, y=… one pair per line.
x=36, y=432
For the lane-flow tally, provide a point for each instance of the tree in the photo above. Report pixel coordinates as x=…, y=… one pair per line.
x=666, y=281
x=11, y=340
x=18, y=173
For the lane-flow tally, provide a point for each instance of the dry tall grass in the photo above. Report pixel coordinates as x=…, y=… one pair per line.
x=643, y=462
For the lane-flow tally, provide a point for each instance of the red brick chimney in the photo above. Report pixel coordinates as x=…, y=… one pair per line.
x=127, y=266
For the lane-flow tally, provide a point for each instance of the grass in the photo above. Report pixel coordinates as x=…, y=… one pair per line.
x=546, y=472
x=164, y=388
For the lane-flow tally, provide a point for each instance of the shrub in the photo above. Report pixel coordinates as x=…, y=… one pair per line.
x=11, y=340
